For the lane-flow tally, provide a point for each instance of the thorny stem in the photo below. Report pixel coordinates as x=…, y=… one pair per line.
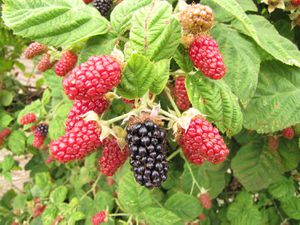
x=168, y=93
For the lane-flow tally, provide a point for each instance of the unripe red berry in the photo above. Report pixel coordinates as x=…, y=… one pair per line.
x=99, y=218
x=204, y=52
x=66, y=63
x=295, y=2
x=87, y=1
x=182, y=99
x=28, y=118
x=205, y=201
x=273, y=143
x=35, y=49
x=45, y=63
x=288, y=133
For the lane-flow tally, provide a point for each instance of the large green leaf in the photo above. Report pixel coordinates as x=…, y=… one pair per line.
x=242, y=61
x=283, y=189
x=243, y=211
x=133, y=197
x=289, y=152
x=185, y=206
x=211, y=177
x=155, y=33
x=51, y=22
x=215, y=99
x=161, y=216
x=276, y=99
x=291, y=207
x=272, y=42
x=138, y=76
x=121, y=15
x=256, y=167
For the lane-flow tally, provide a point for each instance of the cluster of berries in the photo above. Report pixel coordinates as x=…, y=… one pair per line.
x=196, y=21
x=62, y=67
x=103, y=6
x=87, y=85
x=287, y=133
x=40, y=130
x=3, y=134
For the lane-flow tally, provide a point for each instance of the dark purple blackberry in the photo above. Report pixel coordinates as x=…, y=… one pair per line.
x=41, y=130
x=103, y=6
x=147, y=146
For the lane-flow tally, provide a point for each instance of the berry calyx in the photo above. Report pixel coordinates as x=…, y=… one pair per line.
x=182, y=99
x=35, y=49
x=66, y=63
x=201, y=141
x=100, y=217
x=288, y=133
x=103, y=6
x=77, y=143
x=28, y=118
x=80, y=107
x=204, y=52
x=147, y=146
x=205, y=200
x=112, y=158
x=45, y=63
x=92, y=79
x=196, y=19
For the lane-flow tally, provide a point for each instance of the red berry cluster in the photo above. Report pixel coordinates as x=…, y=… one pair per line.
x=295, y=2
x=28, y=118
x=87, y=84
x=205, y=200
x=66, y=63
x=202, y=141
x=99, y=218
x=3, y=134
x=288, y=133
x=182, y=99
x=112, y=157
x=35, y=49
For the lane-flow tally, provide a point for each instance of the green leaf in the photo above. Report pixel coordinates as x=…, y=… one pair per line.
x=185, y=206
x=99, y=45
x=122, y=14
x=211, y=177
x=42, y=185
x=20, y=201
x=243, y=211
x=155, y=33
x=58, y=195
x=35, y=107
x=46, y=97
x=57, y=124
x=5, y=119
x=6, y=98
x=183, y=60
x=49, y=215
x=253, y=162
x=215, y=99
x=161, y=216
x=162, y=75
x=138, y=76
x=276, y=99
x=247, y=5
x=282, y=189
x=51, y=22
x=291, y=207
x=16, y=142
x=132, y=197
x=242, y=61
x=54, y=82
x=272, y=42
x=232, y=7
x=8, y=163
x=289, y=152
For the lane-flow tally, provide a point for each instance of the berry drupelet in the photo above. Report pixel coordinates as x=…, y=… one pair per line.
x=148, y=153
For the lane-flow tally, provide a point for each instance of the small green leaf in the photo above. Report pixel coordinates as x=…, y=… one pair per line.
x=16, y=142
x=183, y=60
x=8, y=163
x=161, y=216
x=49, y=215
x=6, y=98
x=33, y=20
x=20, y=201
x=155, y=33
x=185, y=206
x=138, y=76
x=215, y=99
x=122, y=14
x=282, y=189
x=46, y=97
x=291, y=207
x=58, y=195
x=5, y=119
x=162, y=75
x=243, y=211
x=254, y=162
x=133, y=197
x=35, y=107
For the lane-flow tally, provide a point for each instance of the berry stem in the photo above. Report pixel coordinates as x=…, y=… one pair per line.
x=168, y=93
x=118, y=118
x=168, y=114
x=174, y=154
x=92, y=188
x=192, y=174
x=119, y=214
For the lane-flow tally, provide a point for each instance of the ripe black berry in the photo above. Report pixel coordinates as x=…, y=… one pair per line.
x=41, y=130
x=103, y=6
x=146, y=143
